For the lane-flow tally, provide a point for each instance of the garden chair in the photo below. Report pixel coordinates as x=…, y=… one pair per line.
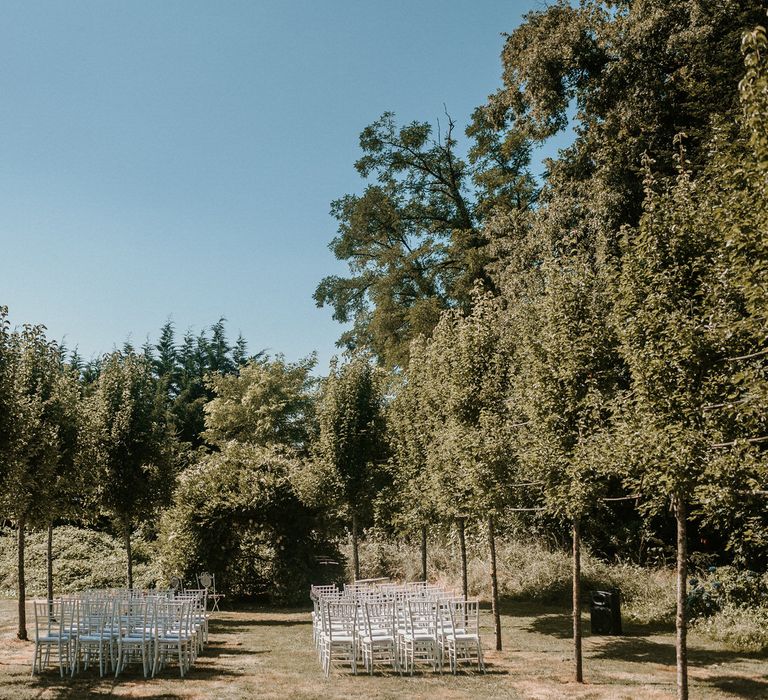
x=174, y=637
x=339, y=635
x=134, y=630
x=379, y=640
x=55, y=630
x=208, y=581
x=420, y=640
x=460, y=638
x=95, y=634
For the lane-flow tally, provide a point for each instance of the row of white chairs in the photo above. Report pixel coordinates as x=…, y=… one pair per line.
x=118, y=627
x=397, y=625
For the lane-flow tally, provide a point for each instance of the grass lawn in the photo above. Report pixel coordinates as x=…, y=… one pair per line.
x=266, y=653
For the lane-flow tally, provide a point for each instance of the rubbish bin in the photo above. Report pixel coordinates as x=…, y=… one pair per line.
x=605, y=612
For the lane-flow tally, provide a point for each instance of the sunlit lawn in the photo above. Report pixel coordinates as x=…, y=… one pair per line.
x=268, y=653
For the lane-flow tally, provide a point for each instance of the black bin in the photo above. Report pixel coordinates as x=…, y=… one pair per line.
x=605, y=612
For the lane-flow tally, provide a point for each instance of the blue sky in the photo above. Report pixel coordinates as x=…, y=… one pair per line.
x=177, y=159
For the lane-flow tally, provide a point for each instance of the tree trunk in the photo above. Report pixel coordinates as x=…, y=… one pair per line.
x=355, y=555
x=682, y=579
x=463, y=547
x=49, y=567
x=22, y=632
x=127, y=536
x=423, y=552
x=494, y=584
x=577, y=599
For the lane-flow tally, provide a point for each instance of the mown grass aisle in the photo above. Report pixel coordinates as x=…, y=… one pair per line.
x=268, y=653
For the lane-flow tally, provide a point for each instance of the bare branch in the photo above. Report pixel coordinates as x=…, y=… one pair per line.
x=736, y=442
x=524, y=510
x=751, y=356
x=725, y=404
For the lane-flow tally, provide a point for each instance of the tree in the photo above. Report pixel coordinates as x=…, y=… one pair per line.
x=36, y=398
x=692, y=323
x=632, y=74
x=270, y=402
x=132, y=444
x=236, y=510
x=568, y=377
x=412, y=239
x=469, y=363
x=407, y=503
x=350, y=450
x=69, y=483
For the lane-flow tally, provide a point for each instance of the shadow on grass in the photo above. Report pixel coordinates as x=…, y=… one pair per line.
x=740, y=686
x=226, y=625
x=560, y=624
x=214, y=651
x=639, y=650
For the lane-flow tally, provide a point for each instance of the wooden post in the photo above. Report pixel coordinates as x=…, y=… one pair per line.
x=355, y=555
x=681, y=623
x=423, y=552
x=49, y=567
x=494, y=583
x=463, y=547
x=577, y=599
x=127, y=537
x=22, y=631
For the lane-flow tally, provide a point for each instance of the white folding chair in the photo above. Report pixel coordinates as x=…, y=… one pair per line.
x=460, y=638
x=339, y=636
x=173, y=636
x=55, y=630
x=134, y=622
x=420, y=640
x=379, y=640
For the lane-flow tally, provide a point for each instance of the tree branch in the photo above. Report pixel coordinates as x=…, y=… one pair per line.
x=736, y=442
x=751, y=356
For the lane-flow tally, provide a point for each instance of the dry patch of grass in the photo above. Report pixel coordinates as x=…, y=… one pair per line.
x=268, y=654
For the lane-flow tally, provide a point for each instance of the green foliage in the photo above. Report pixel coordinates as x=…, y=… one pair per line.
x=412, y=239
x=742, y=629
x=235, y=513
x=235, y=510
x=269, y=402
x=350, y=448
x=40, y=468
x=83, y=559
x=721, y=587
x=131, y=442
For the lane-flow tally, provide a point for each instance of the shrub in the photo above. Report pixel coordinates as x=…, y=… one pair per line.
x=726, y=586
x=82, y=559
x=741, y=628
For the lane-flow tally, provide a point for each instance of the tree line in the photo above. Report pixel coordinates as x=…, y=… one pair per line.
x=587, y=349
x=578, y=355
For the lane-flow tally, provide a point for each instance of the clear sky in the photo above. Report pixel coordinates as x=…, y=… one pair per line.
x=177, y=159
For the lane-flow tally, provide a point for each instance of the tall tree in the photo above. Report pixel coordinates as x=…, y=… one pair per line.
x=569, y=375
x=469, y=362
x=412, y=239
x=350, y=446
x=35, y=395
x=407, y=504
x=692, y=319
x=132, y=444
x=631, y=75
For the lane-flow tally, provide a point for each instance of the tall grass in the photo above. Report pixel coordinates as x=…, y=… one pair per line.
x=527, y=570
